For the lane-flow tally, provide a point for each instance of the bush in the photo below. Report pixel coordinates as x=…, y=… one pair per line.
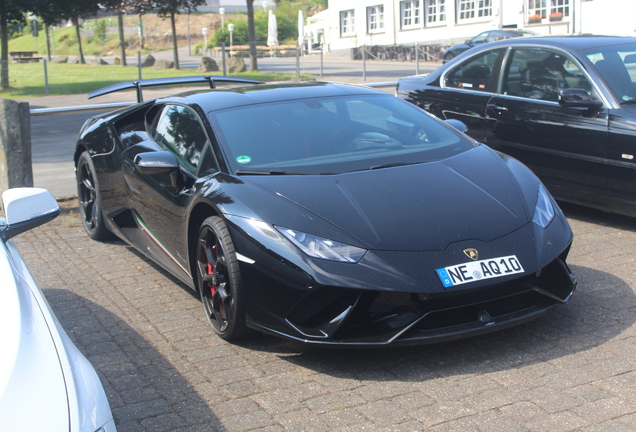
x=99, y=31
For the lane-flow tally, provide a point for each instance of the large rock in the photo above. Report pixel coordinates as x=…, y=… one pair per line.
x=163, y=64
x=208, y=65
x=148, y=61
x=236, y=65
x=98, y=62
x=60, y=59
x=117, y=61
x=15, y=145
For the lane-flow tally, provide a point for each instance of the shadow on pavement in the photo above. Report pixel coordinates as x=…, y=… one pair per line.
x=144, y=389
x=602, y=308
x=590, y=215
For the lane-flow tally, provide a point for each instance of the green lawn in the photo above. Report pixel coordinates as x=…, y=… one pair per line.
x=64, y=42
x=27, y=79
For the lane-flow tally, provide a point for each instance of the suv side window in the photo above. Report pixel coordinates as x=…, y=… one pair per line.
x=179, y=131
x=477, y=73
x=538, y=73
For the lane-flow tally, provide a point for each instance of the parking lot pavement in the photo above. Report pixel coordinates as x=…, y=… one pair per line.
x=573, y=369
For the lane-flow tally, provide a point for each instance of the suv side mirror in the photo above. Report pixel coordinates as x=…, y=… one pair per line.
x=26, y=208
x=577, y=98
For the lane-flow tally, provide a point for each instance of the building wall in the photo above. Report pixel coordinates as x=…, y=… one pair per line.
x=426, y=31
x=612, y=17
x=616, y=17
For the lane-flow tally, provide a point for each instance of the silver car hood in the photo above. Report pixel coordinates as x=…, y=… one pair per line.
x=32, y=388
x=45, y=382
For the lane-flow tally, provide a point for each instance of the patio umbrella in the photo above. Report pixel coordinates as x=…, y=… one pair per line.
x=301, y=28
x=272, y=30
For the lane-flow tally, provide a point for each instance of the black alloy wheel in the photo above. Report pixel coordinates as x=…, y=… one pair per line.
x=89, y=200
x=219, y=280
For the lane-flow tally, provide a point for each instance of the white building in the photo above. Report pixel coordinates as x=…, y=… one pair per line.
x=348, y=24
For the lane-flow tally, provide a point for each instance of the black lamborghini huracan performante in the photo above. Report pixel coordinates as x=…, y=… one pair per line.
x=324, y=213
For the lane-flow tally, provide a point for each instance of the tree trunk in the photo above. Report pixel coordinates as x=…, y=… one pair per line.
x=122, y=41
x=252, y=34
x=75, y=21
x=4, y=55
x=140, y=30
x=174, y=41
x=48, y=42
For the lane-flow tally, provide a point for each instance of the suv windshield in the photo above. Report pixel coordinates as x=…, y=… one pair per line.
x=332, y=135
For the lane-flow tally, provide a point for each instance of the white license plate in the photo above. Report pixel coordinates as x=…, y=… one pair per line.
x=479, y=270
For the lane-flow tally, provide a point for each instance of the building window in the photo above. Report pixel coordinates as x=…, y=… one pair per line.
x=560, y=6
x=410, y=14
x=470, y=9
x=375, y=19
x=538, y=7
x=542, y=9
x=347, y=23
x=435, y=11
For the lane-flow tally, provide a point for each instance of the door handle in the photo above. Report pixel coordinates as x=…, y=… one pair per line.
x=496, y=109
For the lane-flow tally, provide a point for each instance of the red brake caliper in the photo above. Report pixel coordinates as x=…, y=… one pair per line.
x=210, y=270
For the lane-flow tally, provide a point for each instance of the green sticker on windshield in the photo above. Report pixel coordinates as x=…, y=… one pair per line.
x=244, y=159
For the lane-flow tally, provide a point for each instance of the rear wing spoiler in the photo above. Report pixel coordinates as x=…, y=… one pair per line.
x=140, y=84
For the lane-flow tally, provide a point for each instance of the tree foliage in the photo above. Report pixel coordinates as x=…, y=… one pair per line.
x=170, y=8
x=10, y=11
x=54, y=11
x=287, y=30
x=290, y=8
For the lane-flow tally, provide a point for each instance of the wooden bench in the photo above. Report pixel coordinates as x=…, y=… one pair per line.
x=25, y=56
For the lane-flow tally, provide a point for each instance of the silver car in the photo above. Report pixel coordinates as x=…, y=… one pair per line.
x=46, y=384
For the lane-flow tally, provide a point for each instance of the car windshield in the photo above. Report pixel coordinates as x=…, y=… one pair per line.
x=616, y=64
x=332, y=135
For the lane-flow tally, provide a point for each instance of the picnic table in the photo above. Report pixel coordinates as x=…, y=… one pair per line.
x=25, y=56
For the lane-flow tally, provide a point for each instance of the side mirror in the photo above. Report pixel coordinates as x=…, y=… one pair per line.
x=26, y=208
x=578, y=98
x=456, y=124
x=160, y=162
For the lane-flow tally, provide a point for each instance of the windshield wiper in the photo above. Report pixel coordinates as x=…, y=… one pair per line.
x=259, y=172
x=388, y=165
x=628, y=102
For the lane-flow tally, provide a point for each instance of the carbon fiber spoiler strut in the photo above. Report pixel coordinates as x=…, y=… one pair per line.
x=140, y=84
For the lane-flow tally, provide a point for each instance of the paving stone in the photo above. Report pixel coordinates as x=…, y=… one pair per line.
x=522, y=412
x=561, y=421
x=248, y=421
x=384, y=413
x=301, y=420
x=277, y=401
x=605, y=409
x=344, y=417
x=333, y=401
x=442, y=412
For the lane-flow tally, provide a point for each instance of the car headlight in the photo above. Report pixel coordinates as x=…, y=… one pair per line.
x=318, y=247
x=544, y=212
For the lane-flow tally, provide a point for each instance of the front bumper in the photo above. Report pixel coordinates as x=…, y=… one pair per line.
x=396, y=298
x=345, y=316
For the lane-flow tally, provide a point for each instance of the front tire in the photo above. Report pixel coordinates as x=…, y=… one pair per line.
x=219, y=280
x=89, y=199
